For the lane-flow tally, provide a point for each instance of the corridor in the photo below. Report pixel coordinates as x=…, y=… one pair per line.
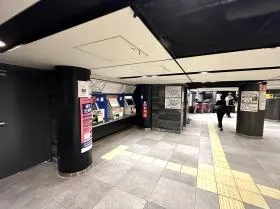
x=201, y=168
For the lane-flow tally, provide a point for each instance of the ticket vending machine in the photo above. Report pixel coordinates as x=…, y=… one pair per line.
x=114, y=109
x=129, y=106
x=97, y=116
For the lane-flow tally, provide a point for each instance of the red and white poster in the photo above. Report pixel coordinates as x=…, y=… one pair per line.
x=86, y=124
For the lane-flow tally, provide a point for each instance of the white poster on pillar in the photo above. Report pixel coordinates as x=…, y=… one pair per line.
x=249, y=101
x=83, y=89
x=262, y=100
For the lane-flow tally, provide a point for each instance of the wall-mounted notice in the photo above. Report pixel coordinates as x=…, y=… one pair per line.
x=173, y=103
x=249, y=101
x=86, y=124
x=262, y=100
x=83, y=89
x=173, y=97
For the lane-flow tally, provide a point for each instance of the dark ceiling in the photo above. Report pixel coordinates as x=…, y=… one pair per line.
x=199, y=27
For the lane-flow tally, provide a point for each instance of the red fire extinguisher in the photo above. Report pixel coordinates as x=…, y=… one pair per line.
x=144, y=110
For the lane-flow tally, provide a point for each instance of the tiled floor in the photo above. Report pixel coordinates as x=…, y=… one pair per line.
x=200, y=169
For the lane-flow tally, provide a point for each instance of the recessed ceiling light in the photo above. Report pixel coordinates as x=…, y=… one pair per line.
x=204, y=72
x=2, y=44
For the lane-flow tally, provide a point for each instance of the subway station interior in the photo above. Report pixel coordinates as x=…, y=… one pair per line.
x=140, y=104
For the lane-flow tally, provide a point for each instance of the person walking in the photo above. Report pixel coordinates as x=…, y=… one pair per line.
x=229, y=104
x=220, y=110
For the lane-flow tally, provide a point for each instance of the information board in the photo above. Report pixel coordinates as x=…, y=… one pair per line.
x=86, y=124
x=83, y=89
x=173, y=96
x=249, y=101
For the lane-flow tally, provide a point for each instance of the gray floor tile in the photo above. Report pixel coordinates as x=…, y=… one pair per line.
x=173, y=195
x=110, y=173
x=118, y=199
x=248, y=206
x=206, y=200
x=139, y=182
x=150, y=205
x=273, y=203
x=179, y=177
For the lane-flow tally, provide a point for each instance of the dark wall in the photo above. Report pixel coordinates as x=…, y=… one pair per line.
x=24, y=107
x=272, y=111
x=166, y=119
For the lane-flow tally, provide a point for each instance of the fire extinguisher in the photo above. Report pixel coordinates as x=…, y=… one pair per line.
x=144, y=110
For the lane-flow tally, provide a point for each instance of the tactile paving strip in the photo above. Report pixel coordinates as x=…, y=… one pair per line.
x=206, y=175
x=173, y=166
x=206, y=184
x=247, y=185
x=113, y=153
x=253, y=199
x=206, y=167
x=125, y=153
x=241, y=175
x=269, y=191
x=222, y=171
x=228, y=191
x=228, y=203
x=189, y=170
x=227, y=180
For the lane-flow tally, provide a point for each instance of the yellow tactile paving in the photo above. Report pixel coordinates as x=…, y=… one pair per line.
x=228, y=203
x=113, y=153
x=247, y=185
x=147, y=159
x=227, y=180
x=221, y=164
x=206, y=184
x=242, y=175
x=269, y=191
x=253, y=199
x=173, y=166
x=228, y=191
x=136, y=156
x=125, y=153
x=189, y=170
x=206, y=167
x=206, y=175
x=160, y=163
x=222, y=171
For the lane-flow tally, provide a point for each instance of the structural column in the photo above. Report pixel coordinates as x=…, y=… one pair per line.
x=251, y=110
x=70, y=157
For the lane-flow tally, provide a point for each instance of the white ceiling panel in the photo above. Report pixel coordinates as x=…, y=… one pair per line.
x=236, y=76
x=158, y=79
x=233, y=60
x=10, y=8
x=62, y=48
x=142, y=69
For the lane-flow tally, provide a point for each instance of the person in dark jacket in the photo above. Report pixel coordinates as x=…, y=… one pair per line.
x=221, y=110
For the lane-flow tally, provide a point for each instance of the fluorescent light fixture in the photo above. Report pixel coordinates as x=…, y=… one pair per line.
x=204, y=72
x=2, y=44
x=144, y=76
x=14, y=48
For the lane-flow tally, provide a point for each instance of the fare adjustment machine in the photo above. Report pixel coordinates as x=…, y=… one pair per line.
x=129, y=105
x=114, y=109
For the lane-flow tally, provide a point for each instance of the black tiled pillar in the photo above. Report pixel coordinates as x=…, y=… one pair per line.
x=70, y=158
x=250, y=123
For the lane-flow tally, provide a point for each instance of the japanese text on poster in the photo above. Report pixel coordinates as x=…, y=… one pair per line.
x=86, y=124
x=262, y=100
x=249, y=101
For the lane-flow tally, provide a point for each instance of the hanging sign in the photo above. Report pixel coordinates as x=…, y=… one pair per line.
x=86, y=124
x=249, y=101
x=83, y=89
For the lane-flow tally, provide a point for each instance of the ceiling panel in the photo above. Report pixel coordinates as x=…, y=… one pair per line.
x=159, y=79
x=10, y=8
x=233, y=60
x=236, y=76
x=59, y=49
x=142, y=69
